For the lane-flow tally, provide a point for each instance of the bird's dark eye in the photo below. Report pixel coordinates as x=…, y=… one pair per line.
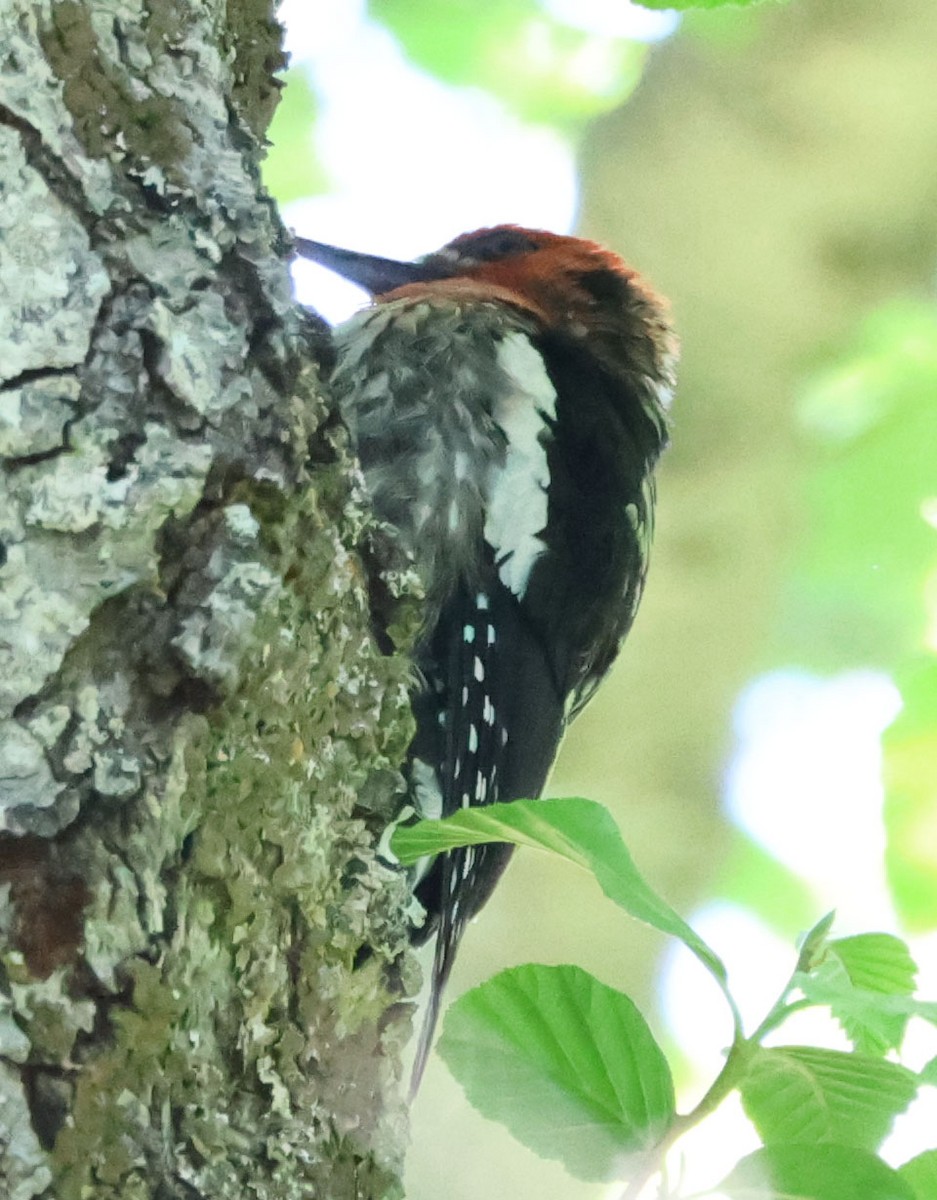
x=490, y=244
x=605, y=286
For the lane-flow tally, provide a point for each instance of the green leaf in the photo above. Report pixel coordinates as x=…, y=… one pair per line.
x=581, y=831
x=807, y=1172
x=291, y=169
x=871, y=1021
x=807, y=1095
x=874, y=1022
x=867, y=981
x=910, y=745
x=928, y=1073
x=921, y=1174
x=565, y=1062
x=879, y=962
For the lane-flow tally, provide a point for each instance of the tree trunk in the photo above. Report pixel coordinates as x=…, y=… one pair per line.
x=202, y=955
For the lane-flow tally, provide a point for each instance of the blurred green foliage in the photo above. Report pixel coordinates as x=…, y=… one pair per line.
x=292, y=169
x=542, y=69
x=911, y=798
x=756, y=880
x=687, y=5
x=862, y=589
x=855, y=595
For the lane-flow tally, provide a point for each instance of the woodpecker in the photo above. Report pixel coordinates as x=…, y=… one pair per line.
x=508, y=398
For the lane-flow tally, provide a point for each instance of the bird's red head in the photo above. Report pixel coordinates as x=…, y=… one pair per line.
x=570, y=286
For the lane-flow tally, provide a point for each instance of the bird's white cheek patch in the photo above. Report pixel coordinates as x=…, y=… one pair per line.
x=517, y=488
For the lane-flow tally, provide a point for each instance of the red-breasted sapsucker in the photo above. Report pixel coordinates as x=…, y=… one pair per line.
x=507, y=396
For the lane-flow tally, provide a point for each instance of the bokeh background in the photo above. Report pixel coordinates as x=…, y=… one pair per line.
x=768, y=740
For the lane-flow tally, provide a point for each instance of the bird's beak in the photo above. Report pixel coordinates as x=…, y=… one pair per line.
x=375, y=275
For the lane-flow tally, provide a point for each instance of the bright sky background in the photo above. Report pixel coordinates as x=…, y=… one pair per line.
x=433, y=161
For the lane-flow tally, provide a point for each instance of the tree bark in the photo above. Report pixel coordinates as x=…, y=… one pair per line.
x=201, y=954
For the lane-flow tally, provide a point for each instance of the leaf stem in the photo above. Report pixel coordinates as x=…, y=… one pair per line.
x=778, y=1015
x=733, y=1068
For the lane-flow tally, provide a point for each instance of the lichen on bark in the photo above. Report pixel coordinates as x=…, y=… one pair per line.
x=203, y=959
